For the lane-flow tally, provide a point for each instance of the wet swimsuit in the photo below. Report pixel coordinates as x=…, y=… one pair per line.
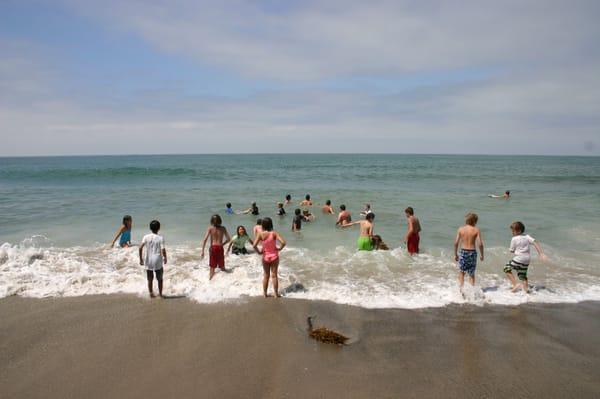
x=125, y=238
x=519, y=267
x=364, y=243
x=280, y=211
x=229, y=211
x=412, y=244
x=217, y=256
x=270, y=252
x=467, y=262
x=239, y=244
x=298, y=221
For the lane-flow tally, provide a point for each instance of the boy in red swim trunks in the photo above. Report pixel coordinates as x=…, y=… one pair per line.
x=217, y=233
x=411, y=239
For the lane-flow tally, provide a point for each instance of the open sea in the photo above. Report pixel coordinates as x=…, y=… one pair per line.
x=58, y=215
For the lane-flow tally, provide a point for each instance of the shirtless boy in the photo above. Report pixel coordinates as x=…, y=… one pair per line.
x=327, y=208
x=344, y=216
x=468, y=237
x=365, y=240
x=217, y=233
x=411, y=239
x=307, y=201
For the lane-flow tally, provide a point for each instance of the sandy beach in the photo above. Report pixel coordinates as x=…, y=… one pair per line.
x=125, y=346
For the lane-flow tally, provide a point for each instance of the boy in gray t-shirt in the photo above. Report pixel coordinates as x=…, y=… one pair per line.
x=520, y=245
x=156, y=256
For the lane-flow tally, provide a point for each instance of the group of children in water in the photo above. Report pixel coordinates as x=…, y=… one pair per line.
x=268, y=243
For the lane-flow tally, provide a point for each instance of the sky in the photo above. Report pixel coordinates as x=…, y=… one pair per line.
x=82, y=77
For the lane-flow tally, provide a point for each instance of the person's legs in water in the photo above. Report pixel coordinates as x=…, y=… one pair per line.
x=266, y=272
x=150, y=276
x=275, y=278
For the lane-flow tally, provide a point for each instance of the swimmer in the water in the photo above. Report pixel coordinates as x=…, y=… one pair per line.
x=344, y=216
x=505, y=196
x=327, y=208
x=365, y=240
x=307, y=201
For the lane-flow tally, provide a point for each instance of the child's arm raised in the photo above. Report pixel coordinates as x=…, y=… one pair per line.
x=204, y=242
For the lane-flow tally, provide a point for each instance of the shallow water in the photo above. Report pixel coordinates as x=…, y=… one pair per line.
x=58, y=214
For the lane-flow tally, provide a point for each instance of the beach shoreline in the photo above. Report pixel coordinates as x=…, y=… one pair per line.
x=127, y=346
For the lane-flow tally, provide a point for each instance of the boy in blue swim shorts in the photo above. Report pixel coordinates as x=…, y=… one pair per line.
x=468, y=237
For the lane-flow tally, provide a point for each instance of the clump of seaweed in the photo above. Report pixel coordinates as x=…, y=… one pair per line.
x=325, y=335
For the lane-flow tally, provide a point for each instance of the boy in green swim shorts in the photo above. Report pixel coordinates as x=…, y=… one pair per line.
x=365, y=240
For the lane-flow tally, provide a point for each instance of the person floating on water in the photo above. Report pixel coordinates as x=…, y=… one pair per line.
x=412, y=238
x=327, y=208
x=270, y=255
x=505, y=196
x=124, y=233
x=306, y=201
x=218, y=238
x=365, y=240
x=155, y=258
x=344, y=216
x=520, y=245
x=237, y=245
x=468, y=237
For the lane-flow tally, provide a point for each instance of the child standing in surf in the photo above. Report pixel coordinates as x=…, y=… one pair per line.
x=365, y=240
x=124, y=233
x=468, y=237
x=270, y=255
x=155, y=258
x=218, y=238
x=520, y=245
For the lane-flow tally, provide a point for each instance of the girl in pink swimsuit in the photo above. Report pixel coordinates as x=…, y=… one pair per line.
x=270, y=254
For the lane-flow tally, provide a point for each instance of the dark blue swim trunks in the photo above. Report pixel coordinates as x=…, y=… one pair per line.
x=467, y=261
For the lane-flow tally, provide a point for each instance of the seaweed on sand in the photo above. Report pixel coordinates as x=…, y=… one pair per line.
x=325, y=335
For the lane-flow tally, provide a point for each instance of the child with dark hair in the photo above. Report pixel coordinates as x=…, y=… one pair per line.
x=228, y=209
x=124, y=232
x=307, y=201
x=237, y=246
x=344, y=216
x=297, y=221
x=270, y=254
x=365, y=239
x=218, y=238
x=378, y=243
x=288, y=199
x=412, y=237
x=252, y=210
x=327, y=207
x=520, y=245
x=280, y=209
x=156, y=257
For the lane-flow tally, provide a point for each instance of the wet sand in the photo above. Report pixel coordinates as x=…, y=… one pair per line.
x=122, y=346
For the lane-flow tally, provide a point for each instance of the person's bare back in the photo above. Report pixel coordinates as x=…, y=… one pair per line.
x=468, y=236
x=216, y=234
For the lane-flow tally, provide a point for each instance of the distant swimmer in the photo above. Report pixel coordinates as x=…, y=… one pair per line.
x=270, y=255
x=365, y=240
x=229, y=209
x=280, y=209
x=366, y=210
x=520, y=245
x=218, y=238
x=288, y=199
x=468, y=237
x=378, y=243
x=412, y=238
x=327, y=208
x=124, y=233
x=155, y=257
x=253, y=210
x=344, y=216
x=307, y=201
x=505, y=196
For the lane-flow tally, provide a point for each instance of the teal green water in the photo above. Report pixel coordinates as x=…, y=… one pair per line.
x=76, y=204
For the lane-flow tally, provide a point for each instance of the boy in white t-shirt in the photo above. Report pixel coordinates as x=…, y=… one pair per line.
x=520, y=245
x=156, y=256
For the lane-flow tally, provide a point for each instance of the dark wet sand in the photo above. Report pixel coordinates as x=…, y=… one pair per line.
x=127, y=347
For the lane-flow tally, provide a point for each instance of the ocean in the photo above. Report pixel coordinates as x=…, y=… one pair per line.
x=58, y=215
